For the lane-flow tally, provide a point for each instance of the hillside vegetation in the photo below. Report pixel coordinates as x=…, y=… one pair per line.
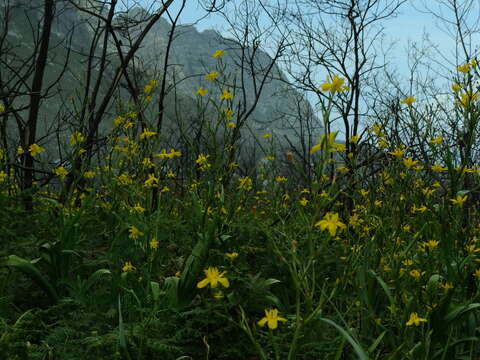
x=221, y=239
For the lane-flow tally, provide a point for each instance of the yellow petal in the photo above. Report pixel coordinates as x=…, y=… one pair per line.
x=272, y=323
x=262, y=322
x=224, y=282
x=203, y=283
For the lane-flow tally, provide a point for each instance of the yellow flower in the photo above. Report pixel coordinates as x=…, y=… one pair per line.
x=431, y=244
x=446, y=286
x=34, y=150
x=232, y=256
x=438, y=168
x=201, y=91
x=245, y=183
x=138, y=208
x=459, y=200
x=211, y=76
x=330, y=222
x=422, y=209
x=218, y=54
x=128, y=266
x=228, y=113
x=231, y=125
x=464, y=68
x=147, y=134
x=61, y=172
x=303, y=201
x=354, y=139
x=2, y=108
x=3, y=176
x=134, y=232
x=89, y=174
x=328, y=142
x=20, y=151
x=147, y=89
x=408, y=100
x=226, y=95
x=271, y=318
x=409, y=162
x=202, y=162
x=118, y=121
x=151, y=181
x=415, y=320
x=397, y=152
x=76, y=138
x=153, y=244
x=280, y=179
x=416, y=274
x=334, y=84
x=363, y=192
x=467, y=98
x=213, y=277
x=436, y=140
x=456, y=87
x=266, y=136
x=477, y=274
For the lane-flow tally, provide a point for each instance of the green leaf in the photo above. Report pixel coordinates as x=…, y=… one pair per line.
x=362, y=355
x=32, y=272
x=459, y=311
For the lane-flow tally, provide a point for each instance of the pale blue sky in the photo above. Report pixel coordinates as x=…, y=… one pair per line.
x=410, y=26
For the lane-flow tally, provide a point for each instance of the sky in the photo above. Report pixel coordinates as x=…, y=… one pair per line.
x=409, y=28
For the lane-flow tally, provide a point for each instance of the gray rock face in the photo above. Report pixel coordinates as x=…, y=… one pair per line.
x=278, y=107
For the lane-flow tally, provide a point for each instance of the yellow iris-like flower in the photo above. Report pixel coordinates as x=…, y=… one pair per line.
x=464, y=68
x=415, y=320
x=456, y=87
x=328, y=142
x=436, y=140
x=245, y=183
x=211, y=76
x=218, y=54
x=271, y=318
x=226, y=95
x=153, y=244
x=409, y=162
x=151, y=181
x=201, y=91
x=3, y=176
x=331, y=223
x=397, y=152
x=228, y=113
x=466, y=98
x=128, y=267
x=438, y=168
x=134, y=232
x=334, y=84
x=303, y=201
x=408, y=101
x=34, y=150
x=76, y=138
x=61, y=172
x=459, y=200
x=232, y=256
x=147, y=134
x=213, y=277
